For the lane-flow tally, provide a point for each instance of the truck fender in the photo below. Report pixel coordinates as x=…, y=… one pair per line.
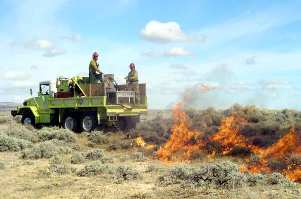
x=32, y=109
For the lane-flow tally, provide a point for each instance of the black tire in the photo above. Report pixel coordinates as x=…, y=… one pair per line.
x=88, y=122
x=28, y=120
x=127, y=123
x=70, y=123
x=131, y=123
x=122, y=124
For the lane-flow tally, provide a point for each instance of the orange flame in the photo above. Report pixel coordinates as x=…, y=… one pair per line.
x=184, y=143
x=141, y=143
x=228, y=135
x=285, y=146
x=294, y=174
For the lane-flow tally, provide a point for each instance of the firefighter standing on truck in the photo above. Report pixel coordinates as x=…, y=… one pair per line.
x=95, y=74
x=132, y=82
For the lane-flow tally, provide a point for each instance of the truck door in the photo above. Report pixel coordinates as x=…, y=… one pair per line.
x=44, y=94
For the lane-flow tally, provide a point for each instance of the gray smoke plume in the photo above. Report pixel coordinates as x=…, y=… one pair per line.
x=220, y=88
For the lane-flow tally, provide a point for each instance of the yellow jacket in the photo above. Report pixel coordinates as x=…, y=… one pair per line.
x=133, y=76
x=94, y=67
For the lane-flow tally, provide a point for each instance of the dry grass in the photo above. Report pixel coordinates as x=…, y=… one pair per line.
x=112, y=168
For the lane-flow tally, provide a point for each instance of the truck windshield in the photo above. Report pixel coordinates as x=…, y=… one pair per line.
x=44, y=89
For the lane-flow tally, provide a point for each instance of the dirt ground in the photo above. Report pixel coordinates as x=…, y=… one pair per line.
x=123, y=170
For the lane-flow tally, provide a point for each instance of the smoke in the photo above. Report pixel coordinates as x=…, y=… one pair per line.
x=211, y=91
x=221, y=88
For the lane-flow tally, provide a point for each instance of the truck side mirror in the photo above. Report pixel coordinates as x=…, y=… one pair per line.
x=30, y=90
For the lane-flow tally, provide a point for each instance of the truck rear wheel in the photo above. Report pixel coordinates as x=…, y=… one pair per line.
x=70, y=123
x=127, y=123
x=88, y=123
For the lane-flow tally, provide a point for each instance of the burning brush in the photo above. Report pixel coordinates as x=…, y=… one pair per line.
x=141, y=143
x=184, y=143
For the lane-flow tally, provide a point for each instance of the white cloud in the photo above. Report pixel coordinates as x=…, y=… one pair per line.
x=48, y=48
x=39, y=44
x=179, y=66
x=44, y=44
x=22, y=84
x=251, y=60
x=52, y=52
x=275, y=85
x=15, y=76
x=177, y=52
x=172, y=52
x=163, y=32
x=151, y=53
x=73, y=38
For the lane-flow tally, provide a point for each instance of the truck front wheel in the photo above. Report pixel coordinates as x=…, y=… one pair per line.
x=88, y=123
x=27, y=120
x=70, y=123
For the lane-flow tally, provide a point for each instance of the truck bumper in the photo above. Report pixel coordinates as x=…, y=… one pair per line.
x=14, y=113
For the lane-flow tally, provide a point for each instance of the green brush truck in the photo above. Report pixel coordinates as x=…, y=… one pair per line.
x=79, y=105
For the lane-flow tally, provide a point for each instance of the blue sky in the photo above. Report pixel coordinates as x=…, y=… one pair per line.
x=204, y=53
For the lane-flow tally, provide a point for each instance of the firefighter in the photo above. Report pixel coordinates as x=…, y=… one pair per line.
x=132, y=82
x=133, y=75
x=95, y=75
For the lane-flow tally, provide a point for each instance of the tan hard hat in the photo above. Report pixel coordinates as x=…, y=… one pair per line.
x=95, y=54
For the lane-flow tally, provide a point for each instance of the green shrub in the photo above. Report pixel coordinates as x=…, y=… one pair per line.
x=23, y=132
x=277, y=178
x=139, y=156
x=59, y=166
x=57, y=159
x=96, y=154
x=124, y=173
x=13, y=144
x=151, y=168
x=95, y=168
x=60, y=169
x=121, y=144
x=46, y=149
x=56, y=133
x=254, y=179
x=219, y=175
x=175, y=176
x=98, y=138
x=77, y=158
